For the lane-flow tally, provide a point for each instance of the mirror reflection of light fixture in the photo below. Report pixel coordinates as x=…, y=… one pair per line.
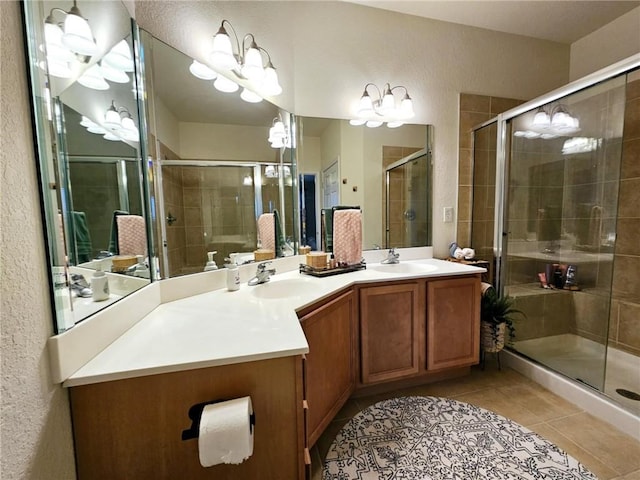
x=247, y=181
x=78, y=36
x=93, y=78
x=555, y=120
x=278, y=136
x=249, y=96
x=113, y=74
x=119, y=57
x=201, y=71
x=373, y=112
x=248, y=63
x=223, y=84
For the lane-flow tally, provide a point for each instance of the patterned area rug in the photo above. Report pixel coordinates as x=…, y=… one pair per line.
x=430, y=438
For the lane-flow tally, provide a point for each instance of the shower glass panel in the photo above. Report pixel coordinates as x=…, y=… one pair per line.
x=408, y=201
x=484, y=193
x=563, y=169
x=207, y=208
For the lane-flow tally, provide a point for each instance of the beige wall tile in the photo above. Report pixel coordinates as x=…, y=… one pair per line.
x=465, y=167
x=628, y=236
x=632, y=120
x=626, y=280
x=499, y=104
x=463, y=236
x=630, y=159
x=629, y=200
x=464, y=203
x=468, y=120
x=629, y=325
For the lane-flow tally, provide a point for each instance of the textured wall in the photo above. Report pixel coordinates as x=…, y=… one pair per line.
x=339, y=47
x=36, y=428
x=613, y=42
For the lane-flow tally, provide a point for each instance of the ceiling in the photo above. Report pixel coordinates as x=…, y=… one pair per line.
x=558, y=21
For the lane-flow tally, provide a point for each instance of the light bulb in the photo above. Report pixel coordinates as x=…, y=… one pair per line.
x=53, y=43
x=252, y=67
x=86, y=122
x=112, y=137
x=357, y=121
x=222, y=54
x=128, y=124
x=395, y=124
x=201, y=71
x=223, y=84
x=541, y=119
x=365, y=106
x=56, y=68
x=97, y=129
x=373, y=123
x=113, y=74
x=270, y=84
x=247, y=180
x=93, y=78
x=406, y=107
x=249, y=96
x=119, y=57
x=112, y=117
x=388, y=104
x=77, y=35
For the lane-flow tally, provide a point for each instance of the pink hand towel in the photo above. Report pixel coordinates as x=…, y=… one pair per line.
x=267, y=231
x=132, y=235
x=347, y=236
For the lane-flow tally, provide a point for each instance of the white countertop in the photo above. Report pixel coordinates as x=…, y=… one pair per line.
x=221, y=327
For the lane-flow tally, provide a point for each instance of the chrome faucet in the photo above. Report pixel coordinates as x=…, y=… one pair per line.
x=392, y=257
x=263, y=275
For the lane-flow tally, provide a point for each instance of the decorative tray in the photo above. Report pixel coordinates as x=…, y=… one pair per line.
x=327, y=272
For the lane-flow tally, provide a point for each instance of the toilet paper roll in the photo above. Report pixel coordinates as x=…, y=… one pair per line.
x=226, y=434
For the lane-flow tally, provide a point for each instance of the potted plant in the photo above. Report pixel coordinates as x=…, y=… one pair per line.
x=497, y=315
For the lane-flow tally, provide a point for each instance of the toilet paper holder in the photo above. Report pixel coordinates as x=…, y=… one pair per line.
x=195, y=414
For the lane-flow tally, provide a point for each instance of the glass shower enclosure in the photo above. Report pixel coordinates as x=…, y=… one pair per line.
x=565, y=228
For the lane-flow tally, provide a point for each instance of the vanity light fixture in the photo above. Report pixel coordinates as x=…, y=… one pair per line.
x=77, y=35
x=247, y=181
x=223, y=84
x=373, y=112
x=113, y=74
x=249, y=96
x=248, y=63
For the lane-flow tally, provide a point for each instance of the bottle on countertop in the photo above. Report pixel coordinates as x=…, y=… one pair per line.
x=233, y=277
x=99, y=285
x=141, y=270
x=211, y=264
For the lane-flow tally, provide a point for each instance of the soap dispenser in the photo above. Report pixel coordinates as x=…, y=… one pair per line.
x=211, y=264
x=233, y=277
x=99, y=285
x=141, y=270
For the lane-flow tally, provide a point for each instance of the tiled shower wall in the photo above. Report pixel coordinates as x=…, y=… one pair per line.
x=474, y=110
x=624, y=325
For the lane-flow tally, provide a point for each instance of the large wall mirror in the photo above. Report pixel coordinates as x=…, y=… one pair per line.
x=215, y=171
x=87, y=126
x=384, y=171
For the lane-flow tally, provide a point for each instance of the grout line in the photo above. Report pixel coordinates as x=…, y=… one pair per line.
x=597, y=457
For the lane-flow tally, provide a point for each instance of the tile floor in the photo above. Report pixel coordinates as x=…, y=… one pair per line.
x=607, y=452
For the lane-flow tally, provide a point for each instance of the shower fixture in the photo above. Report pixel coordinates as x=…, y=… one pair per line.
x=373, y=112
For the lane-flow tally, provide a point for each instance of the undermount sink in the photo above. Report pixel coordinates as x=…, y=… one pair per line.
x=282, y=288
x=403, y=268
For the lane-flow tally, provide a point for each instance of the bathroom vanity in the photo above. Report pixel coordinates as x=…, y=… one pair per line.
x=299, y=346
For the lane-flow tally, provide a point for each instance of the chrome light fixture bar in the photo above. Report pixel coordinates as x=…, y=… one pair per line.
x=373, y=112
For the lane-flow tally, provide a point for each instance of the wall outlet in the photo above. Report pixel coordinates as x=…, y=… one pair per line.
x=447, y=214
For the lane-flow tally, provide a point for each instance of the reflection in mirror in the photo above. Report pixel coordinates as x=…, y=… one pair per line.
x=218, y=169
x=90, y=164
x=343, y=164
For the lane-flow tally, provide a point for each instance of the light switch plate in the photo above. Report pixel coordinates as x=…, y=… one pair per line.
x=447, y=214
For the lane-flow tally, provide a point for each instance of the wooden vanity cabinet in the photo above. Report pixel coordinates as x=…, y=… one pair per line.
x=391, y=326
x=453, y=322
x=330, y=364
x=132, y=428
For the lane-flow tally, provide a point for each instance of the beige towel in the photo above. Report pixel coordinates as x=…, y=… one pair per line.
x=267, y=231
x=347, y=236
x=132, y=235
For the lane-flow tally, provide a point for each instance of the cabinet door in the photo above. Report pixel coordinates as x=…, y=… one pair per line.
x=330, y=372
x=390, y=319
x=453, y=322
